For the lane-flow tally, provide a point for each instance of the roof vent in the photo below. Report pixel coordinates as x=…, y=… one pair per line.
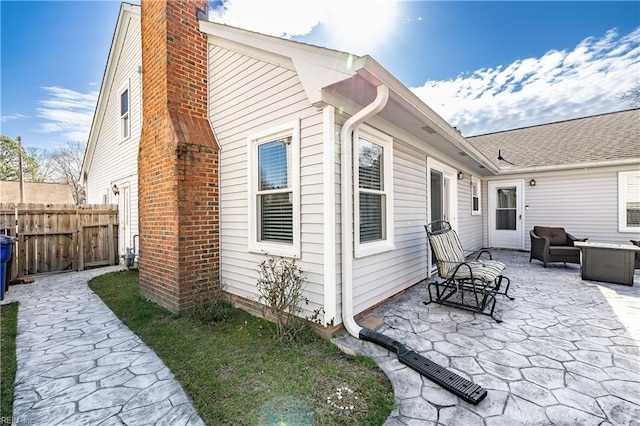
x=464, y=154
x=428, y=130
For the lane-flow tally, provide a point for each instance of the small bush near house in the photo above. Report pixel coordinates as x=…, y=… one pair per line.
x=235, y=373
x=280, y=285
x=8, y=331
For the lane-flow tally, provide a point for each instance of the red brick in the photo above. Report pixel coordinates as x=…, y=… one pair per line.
x=177, y=160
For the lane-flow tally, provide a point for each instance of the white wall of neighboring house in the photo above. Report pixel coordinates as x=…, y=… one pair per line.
x=583, y=201
x=115, y=159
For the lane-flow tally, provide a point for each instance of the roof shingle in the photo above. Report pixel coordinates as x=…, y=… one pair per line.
x=611, y=136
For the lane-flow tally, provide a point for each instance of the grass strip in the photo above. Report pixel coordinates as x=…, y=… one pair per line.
x=236, y=373
x=8, y=332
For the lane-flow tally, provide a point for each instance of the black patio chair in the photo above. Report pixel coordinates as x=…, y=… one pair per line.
x=471, y=285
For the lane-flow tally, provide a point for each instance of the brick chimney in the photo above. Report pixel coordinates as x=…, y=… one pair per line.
x=177, y=160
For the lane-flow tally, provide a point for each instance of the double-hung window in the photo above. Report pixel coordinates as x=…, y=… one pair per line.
x=125, y=122
x=475, y=196
x=274, y=199
x=373, y=204
x=629, y=201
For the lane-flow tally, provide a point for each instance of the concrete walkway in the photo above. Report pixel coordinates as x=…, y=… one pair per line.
x=567, y=353
x=79, y=365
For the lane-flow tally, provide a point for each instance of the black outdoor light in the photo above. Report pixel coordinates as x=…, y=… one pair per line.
x=532, y=182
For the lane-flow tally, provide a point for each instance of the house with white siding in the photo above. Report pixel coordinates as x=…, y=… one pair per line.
x=581, y=174
x=110, y=168
x=281, y=111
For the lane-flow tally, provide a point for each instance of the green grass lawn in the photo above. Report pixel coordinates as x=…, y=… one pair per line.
x=236, y=373
x=8, y=323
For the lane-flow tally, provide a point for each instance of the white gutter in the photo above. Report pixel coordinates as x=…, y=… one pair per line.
x=346, y=201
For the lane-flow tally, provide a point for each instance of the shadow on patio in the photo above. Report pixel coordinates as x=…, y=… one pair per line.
x=567, y=353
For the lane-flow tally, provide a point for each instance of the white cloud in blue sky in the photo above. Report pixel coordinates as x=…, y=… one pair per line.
x=558, y=85
x=353, y=26
x=67, y=113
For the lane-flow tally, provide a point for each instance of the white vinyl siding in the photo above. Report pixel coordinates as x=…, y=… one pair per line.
x=469, y=225
x=380, y=276
x=114, y=162
x=584, y=202
x=248, y=96
x=629, y=201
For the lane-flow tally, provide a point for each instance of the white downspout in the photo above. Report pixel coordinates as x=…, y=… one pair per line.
x=346, y=201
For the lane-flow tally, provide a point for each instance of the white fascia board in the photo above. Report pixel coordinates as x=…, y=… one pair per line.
x=413, y=102
x=572, y=166
x=127, y=11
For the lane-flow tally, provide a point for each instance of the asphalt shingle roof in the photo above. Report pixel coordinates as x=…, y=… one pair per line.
x=612, y=136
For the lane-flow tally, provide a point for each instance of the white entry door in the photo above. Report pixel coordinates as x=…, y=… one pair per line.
x=506, y=225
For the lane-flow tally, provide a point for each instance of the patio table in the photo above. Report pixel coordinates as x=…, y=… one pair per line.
x=607, y=262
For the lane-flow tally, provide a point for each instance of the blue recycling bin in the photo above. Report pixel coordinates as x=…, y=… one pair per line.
x=6, y=245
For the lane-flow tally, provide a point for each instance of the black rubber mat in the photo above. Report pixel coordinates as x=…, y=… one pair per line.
x=449, y=380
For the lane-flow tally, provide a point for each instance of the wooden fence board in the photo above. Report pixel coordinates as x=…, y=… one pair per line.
x=59, y=237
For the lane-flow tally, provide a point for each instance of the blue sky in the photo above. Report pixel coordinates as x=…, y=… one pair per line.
x=483, y=66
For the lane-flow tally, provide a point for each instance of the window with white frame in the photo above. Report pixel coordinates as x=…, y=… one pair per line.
x=274, y=196
x=373, y=205
x=475, y=196
x=629, y=201
x=125, y=122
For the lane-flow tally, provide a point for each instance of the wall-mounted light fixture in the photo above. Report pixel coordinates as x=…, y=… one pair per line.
x=460, y=175
x=115, y=189
x=532, y=182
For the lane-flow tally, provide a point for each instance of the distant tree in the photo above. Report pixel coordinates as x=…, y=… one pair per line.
x=65, y=163
x=631, y=97
x=9, y=162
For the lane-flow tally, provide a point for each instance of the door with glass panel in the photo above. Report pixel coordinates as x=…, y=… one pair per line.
x=442, y=196
x=506, y=229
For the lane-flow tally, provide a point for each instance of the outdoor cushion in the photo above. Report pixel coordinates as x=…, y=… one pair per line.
x=557, y=236
x=563, y=250
x=448, y=250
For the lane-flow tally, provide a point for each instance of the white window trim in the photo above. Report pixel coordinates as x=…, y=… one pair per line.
x=622, y=201
x=292, y=129
x=386, y=141
x=124, y=87
x=476, y=181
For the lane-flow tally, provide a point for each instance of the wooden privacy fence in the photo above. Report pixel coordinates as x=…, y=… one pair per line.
x=60, y=237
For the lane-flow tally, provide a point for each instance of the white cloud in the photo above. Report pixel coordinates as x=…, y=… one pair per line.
x=556, y=86
x=355, y=26
x=9, y=117
x=67, y=113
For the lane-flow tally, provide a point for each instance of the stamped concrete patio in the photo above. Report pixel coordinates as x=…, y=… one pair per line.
x=567, y=353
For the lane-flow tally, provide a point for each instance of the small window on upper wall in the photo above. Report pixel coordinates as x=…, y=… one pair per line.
x=125, y=122
x=629, y=201
x=476, y=199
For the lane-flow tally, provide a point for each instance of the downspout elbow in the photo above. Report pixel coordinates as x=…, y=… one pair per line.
x=346, y=184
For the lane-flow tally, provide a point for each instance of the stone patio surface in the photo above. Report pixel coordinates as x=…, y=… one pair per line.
x=567, y=353
x=77, y=364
